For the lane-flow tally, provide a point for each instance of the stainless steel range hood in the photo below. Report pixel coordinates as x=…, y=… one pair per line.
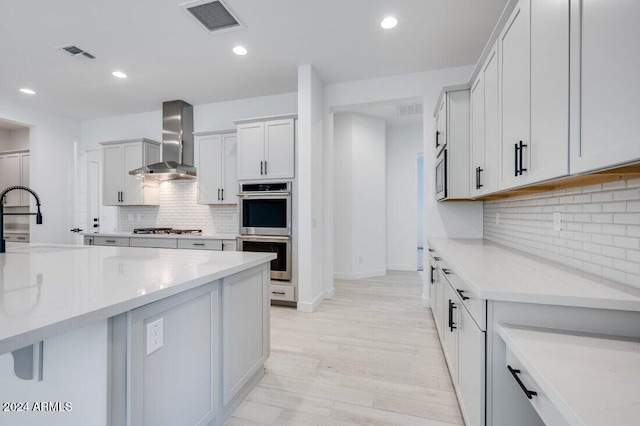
x=177, y=145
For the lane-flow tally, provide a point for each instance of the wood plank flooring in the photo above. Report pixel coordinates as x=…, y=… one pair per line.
x=369, y=356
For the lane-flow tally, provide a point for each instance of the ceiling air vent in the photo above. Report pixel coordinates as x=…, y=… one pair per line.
x=75, y=52
x=409, y=109
x=215, y=16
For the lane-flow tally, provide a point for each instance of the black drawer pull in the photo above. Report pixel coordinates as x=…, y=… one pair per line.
x=446, y=271
x=199, y=244
x=110, y=241
x=437, y=259
x=526, y=391
x=282, y=293
x=433, y=280
x=21, y=238
x=431, y=250
x=461, y=293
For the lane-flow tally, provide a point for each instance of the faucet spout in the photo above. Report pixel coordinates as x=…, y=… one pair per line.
x=38, y=215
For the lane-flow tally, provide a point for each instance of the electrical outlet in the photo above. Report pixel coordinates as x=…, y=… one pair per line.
x=497, y=218
x=154, y=335
x=557, y=221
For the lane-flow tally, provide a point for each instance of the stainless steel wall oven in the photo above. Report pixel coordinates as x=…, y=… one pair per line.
x=265, y=209
x=280, y=267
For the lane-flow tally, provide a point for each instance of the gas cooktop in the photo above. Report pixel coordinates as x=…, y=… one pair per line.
x=166, y=231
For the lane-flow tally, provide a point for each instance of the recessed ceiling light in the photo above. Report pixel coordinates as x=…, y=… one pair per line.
x=239, y=50
x=119, y=74
x=27, y=91
x=389, y=22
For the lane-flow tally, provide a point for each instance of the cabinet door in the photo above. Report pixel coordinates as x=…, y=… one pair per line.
x=549, y=144
x=13, y=179
x=515, y=93
x=605, y=61
x=133, y=186
x=279, y=149
x=209, y=168
x=230, y=177
x=450, y=334
x=489, y=176
x=112, y=175
x=25, y=170
x=251, y=151
x=471, y=368
x=477, y=135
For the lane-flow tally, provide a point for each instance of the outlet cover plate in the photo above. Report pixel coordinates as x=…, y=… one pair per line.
x=557, y=221
x=154, y=335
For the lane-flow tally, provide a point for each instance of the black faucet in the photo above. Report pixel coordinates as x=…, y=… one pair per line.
x=38, y=215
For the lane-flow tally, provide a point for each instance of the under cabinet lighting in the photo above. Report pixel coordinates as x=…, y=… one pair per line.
x=240, y=50
x=389, y=22
x=27, y=91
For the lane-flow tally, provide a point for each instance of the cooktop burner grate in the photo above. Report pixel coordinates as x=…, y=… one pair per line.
x=166, y=231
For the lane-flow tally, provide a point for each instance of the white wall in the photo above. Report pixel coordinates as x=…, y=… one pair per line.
x=441, y=219
x=310, y=183
x=403, y=145
x=51, y=141
x=360, y=214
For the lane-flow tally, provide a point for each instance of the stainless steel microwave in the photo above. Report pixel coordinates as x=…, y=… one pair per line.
x=441, y=175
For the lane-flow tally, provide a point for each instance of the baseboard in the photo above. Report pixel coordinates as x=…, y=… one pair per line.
x=402, y=267
x=359, y=275
x=328, y=294
x=310, y=307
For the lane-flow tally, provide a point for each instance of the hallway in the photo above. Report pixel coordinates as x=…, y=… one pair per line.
x=369, y=356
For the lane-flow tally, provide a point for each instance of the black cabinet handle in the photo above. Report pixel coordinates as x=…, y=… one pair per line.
x=522, y=169
x=526, y=391
x=461, y=293
x=433, y=281
x=282, y=293
x=110, y=241
x=452, y=325
x=437, y=259
x=218, y=194
x=479, y=171
x=517, y=170
x=265, y=168
x=431, y=250
x=437, y=138
x=199, y=244
x=262, y=167
x=446, y=271
x=222, y=192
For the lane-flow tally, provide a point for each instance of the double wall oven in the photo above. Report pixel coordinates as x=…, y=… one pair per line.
x=265, y=223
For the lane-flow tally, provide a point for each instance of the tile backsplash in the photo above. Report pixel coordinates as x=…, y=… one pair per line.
x=179, y=209
x=600, y=228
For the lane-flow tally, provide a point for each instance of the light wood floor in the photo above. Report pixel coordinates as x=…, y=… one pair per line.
x=369, y=356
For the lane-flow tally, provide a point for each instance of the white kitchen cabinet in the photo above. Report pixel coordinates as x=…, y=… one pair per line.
x=441, y=128
x=119, y=158
x=471, y=367
x=484, y=128
x=216, y=162
x=450, y=333
x=266, y=149
x=534, y=89
x=14, y=171
x=605, y=92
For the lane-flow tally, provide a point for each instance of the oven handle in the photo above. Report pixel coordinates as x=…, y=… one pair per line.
x=264, y=194
x=263, y=238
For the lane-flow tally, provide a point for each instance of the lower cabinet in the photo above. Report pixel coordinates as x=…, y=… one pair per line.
x=198, y=243
x=471, y=368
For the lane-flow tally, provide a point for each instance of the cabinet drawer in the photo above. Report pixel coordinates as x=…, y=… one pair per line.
x=540, y=402
x=17, y=238
x=477, y=307
x=199, y=244
x=282, y=292
x=154, y=242
x=229, y=245
x=111, y=241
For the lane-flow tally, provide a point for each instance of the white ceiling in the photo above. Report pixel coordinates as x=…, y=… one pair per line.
x=167, y=55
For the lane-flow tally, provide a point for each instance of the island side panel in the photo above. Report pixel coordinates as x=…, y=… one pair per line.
x=74, y=370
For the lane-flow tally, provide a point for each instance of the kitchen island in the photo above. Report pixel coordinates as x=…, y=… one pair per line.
x=130, y=335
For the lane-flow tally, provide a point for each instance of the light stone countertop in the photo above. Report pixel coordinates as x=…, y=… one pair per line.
x=174, y=236
x=589, y=379
x=494, y=272
x=46, y=290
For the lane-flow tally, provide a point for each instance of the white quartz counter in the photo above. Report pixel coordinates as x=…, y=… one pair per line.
x=49, y=289
x=590, y=380
x=173, y=236
x=494, y=272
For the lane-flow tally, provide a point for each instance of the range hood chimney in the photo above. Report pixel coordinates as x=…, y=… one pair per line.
x=177, y=145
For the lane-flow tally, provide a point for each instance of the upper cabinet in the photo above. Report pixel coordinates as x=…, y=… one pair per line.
x=484, y=128
x=605, y=91
x=216, y=158
x=14, y=171
x=119, y=158
x=533, y=51
x=266, y=149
